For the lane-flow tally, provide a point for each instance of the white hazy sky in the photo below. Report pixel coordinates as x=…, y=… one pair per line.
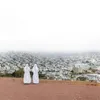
x=50, y=25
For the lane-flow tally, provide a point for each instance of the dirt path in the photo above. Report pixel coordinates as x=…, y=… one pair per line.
x=14, y=89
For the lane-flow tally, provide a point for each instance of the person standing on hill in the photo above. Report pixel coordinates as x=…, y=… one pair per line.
x=27, y=76
x=35, y=71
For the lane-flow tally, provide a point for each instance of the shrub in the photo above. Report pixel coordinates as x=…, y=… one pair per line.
x=5, y=75
x=2, y=75
x=18, y=73
x=82, y=78
x=42, y=76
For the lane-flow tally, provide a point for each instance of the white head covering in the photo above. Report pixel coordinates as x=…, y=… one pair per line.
x=26, y=68
x=35, y=68
x=26, y=65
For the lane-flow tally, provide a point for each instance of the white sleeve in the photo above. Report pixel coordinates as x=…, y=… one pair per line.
x=29, y=69
x=24, y=69
x=38, y=69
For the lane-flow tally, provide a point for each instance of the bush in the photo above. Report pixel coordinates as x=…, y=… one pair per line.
x=5, y=75
x=42, y=76
x=2, y=75
x=18, y=73
x=82, y=78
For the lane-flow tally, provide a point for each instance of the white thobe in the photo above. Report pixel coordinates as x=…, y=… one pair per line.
x=35, y=71
x=27, y=76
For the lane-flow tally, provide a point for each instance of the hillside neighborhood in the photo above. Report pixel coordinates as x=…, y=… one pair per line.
x=73, y=66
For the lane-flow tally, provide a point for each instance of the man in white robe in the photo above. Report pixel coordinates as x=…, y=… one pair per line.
x=35, y=71
x=27, y=76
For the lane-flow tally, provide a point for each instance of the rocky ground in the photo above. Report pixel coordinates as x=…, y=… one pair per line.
x=14, y=89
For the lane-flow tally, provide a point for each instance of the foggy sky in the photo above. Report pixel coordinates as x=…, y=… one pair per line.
x=54, y=25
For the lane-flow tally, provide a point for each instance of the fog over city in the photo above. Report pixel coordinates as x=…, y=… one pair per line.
x=47, y=43
x=49, y=26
